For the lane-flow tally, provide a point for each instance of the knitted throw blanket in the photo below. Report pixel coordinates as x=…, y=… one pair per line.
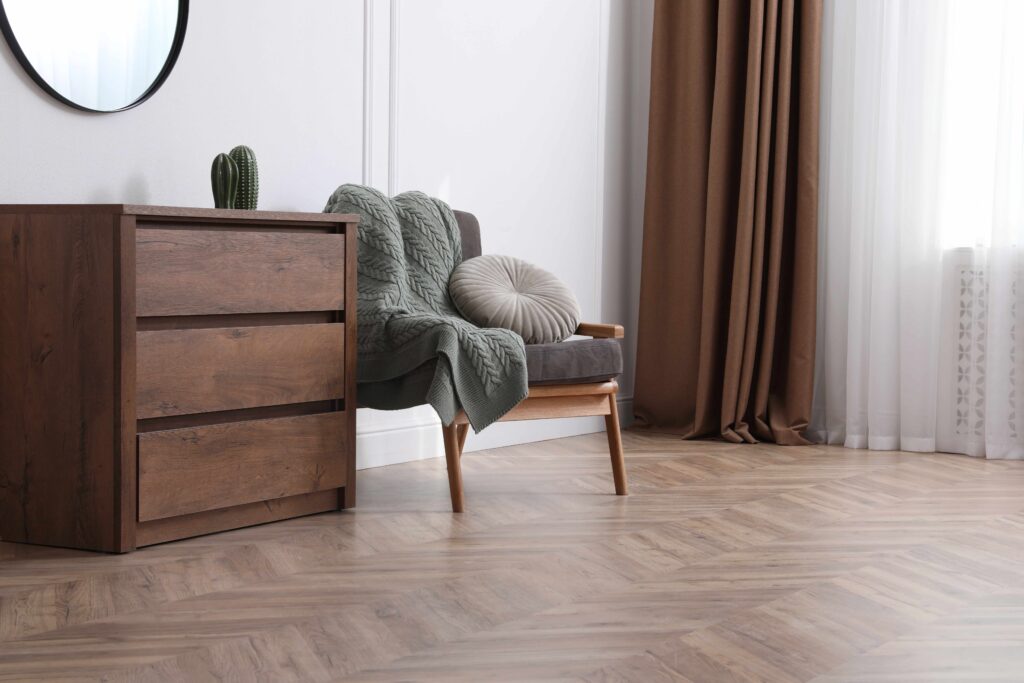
x=414, y=347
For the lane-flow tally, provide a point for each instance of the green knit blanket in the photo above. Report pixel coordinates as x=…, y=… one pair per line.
x=414, y=347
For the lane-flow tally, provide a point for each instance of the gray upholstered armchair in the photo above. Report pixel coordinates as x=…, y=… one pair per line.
x=568, y=379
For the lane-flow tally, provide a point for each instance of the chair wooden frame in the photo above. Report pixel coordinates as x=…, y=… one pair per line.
x=547, y=402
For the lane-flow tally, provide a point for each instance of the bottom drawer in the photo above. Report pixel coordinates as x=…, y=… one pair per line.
x=182, y=471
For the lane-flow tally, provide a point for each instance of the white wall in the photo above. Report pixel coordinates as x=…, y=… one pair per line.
x=530, y=114
x=287, y=83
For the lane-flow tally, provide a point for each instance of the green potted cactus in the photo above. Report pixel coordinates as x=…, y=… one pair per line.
x=224, y=177
x=236, y=180
x=248, y=178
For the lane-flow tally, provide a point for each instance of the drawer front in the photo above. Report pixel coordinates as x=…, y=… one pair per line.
x=208, y=272
x=180, y=372
x=182, y=471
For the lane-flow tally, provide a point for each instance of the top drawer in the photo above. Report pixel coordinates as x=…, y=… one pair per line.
x=209, y=272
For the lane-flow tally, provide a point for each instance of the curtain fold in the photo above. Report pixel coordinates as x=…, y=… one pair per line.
x=727, y=302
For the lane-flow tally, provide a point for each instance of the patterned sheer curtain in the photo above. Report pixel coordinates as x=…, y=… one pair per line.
x=920, y=340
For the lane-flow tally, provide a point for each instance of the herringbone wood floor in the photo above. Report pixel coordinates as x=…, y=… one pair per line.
x=727, y=563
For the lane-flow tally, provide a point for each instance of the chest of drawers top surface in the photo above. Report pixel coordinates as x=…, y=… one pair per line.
x=144, y=210
x=151, y=349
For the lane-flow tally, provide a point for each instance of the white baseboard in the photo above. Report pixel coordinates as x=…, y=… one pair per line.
x=408, y=436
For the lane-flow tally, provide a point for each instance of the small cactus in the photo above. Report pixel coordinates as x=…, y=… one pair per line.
x=248, y=177
x=224, y=176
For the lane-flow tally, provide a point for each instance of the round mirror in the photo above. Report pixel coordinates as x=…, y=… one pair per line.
x=97, y=55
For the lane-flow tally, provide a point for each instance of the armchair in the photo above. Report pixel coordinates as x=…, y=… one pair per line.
x=567, y=379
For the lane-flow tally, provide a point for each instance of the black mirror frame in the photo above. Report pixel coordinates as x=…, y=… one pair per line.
x=172, y=58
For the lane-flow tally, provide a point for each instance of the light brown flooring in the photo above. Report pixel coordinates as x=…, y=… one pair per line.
x=749, y=563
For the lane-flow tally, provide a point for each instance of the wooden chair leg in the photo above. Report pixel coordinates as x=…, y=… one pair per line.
x=463, y=433
x=611, y=425
x=453, y=454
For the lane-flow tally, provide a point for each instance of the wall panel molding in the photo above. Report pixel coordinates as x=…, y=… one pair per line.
x=602, y=9
x=377, y=96
x=393, y=96
x=367, y=91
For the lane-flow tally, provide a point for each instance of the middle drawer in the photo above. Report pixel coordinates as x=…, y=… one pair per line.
x=180, y=372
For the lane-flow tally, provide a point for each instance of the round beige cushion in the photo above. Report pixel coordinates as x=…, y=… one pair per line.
x=502, y=291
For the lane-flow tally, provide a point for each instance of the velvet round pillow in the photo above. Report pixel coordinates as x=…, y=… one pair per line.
x=502, y=291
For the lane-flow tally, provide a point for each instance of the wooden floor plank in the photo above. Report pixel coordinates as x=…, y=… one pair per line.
x=726, y=562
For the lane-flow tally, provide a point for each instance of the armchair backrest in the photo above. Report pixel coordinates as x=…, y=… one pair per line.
x=469, y=226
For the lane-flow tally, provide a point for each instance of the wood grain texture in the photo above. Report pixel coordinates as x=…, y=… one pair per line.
x=347, y=499
x=70, y=363
x=156, y=424
x=726, y=563
x=235, y=517
x=183, y=471
x=126, y=472
x=238, y=215
x=177, y=213
x=613, y=431
x=59, y=325
x=587, y=389
x=202, y=272
x=453, y=456
x=558, y=400
x=195, y=371
x=196, y=322
x=558, y=406
x=551, y=407
x=601, y=330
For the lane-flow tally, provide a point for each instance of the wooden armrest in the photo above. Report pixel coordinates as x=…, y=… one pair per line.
x=601, y=330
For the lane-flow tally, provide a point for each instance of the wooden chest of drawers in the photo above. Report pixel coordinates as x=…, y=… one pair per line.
x=170, y=372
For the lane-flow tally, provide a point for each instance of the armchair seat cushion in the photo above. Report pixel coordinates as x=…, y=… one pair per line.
x=578, y=361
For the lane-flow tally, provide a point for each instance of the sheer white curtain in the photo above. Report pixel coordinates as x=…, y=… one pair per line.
x=920, y=317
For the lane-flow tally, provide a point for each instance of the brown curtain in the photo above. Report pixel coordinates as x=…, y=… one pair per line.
x=727, y=301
